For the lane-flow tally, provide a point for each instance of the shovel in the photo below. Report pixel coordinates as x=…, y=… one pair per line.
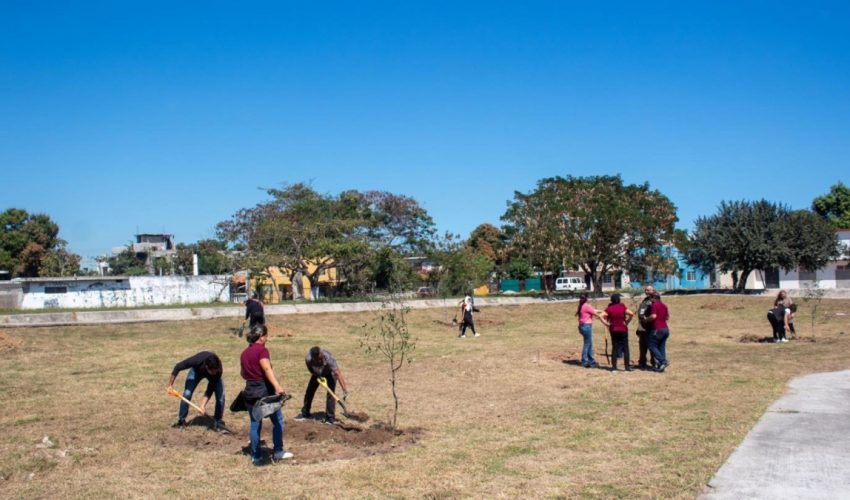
x=324, y=383
x=177, y=395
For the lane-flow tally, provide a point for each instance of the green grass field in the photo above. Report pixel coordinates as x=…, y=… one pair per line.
x=503, y=415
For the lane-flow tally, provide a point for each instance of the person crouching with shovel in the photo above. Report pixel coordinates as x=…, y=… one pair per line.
x=204, y=365
x=322, y=364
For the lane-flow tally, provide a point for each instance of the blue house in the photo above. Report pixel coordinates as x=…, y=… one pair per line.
x=687, y=277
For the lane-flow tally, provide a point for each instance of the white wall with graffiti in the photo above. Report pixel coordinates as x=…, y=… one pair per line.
x=120, y=291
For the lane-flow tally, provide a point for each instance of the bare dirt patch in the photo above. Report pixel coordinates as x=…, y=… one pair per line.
x=311, y=441
x=8, y=343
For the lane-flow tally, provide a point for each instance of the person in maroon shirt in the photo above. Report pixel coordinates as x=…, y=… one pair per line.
x=260, y=381
x=617, y=317
x=659, y=332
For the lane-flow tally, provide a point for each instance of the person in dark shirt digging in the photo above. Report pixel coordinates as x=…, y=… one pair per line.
x=321, y=363
x=204, y=365
x=254, y=312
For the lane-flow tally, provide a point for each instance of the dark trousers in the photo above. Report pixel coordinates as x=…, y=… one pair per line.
x=643, y=347
x=467, y=322
x=257, y=319
x=777, y=325
x=620, y=343
x=658, y=346
x=330, y=402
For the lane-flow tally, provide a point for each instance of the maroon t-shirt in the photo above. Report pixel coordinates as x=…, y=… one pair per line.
x=659, y=309
x=617, y=317
x=250, y=360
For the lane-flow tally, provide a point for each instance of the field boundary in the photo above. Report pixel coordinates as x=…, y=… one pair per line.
x=206, y=313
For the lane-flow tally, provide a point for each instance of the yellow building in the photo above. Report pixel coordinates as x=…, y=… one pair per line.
x=274, y=285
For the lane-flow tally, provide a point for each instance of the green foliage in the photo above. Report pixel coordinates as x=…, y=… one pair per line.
x=595, y=223
x=744, y=236
x=460, y=267
x=213, y=257
x=30, y=246
x=519, y=269
x=834, y=206
x=489, y=241
x=128, y=263
x=306, y=233
x=390, y=338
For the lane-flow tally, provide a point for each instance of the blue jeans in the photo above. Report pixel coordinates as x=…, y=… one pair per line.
x=257, y=427
x=658, y=345
x=586, y=331
x=191, y=383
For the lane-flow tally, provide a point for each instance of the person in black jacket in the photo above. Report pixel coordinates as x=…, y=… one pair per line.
x=204, y=365
x=254, y=311
x=642, y=332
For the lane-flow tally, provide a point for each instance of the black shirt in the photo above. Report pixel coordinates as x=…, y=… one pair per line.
x=253, y=307
x=197, y=362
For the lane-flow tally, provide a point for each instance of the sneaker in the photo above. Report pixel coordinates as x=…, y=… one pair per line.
x=302, y=416
x=784, y=340
x=258, y=462
x=663, y=366
x=477, y=335
x=462, y=337
x=283, y=456
x=179, y=424
x=628, y=368
x=329, y=421
x=593, y=364
x=219, y=426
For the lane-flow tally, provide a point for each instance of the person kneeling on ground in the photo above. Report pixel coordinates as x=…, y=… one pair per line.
x=321, y=363
x=261, y=382
x=616, y=317
x=204, y=365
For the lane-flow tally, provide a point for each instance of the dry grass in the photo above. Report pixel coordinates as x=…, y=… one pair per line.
x=498, y=416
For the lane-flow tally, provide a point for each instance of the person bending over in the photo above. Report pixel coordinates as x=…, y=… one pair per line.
x=321, y=363
x=204, y=365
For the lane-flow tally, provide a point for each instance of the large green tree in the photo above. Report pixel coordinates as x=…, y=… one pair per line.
x=307, y=232
x=834, y=206
x=30, y=246
x=744, y=236
x=596, y=223
x=213, y=257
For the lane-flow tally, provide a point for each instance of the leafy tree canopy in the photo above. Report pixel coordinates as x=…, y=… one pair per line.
x=30, y=246
x=744, y=236
x=834, y=206
x=594, y=223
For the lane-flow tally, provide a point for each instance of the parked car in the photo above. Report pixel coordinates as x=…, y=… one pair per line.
x=425, y=291
x=570, y=283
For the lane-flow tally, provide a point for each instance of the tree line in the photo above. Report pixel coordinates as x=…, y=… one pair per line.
x=598, y=225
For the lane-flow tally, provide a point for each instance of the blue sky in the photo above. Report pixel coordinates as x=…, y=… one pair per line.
x=118, y=117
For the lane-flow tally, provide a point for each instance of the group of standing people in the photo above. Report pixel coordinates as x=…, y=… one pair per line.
x=263, y=395
x=652, y=330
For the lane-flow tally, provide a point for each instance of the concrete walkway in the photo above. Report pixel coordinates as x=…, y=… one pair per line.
x=799, y=449
x=197, y=313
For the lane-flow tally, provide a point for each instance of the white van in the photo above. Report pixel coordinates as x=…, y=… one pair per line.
x=571, y=283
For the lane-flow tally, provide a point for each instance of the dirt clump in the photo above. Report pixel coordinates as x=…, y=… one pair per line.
x=8, y=343
x=311, y=440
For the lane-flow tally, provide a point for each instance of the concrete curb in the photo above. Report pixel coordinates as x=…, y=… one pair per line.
x=203, y=313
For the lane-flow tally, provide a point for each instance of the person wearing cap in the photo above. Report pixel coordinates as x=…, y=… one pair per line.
x=254, y=311
x=641, y=332
x=321, y=363
x=203, y=365
x=659, y=332
x=617, y=317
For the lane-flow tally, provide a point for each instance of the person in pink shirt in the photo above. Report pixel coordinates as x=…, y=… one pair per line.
x=585, y=313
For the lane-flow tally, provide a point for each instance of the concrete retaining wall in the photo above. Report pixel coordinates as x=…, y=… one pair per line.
x=134, y=291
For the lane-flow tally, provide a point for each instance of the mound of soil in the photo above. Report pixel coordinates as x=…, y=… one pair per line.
x=311, y=441
x=752, y=339
x=8, y=343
